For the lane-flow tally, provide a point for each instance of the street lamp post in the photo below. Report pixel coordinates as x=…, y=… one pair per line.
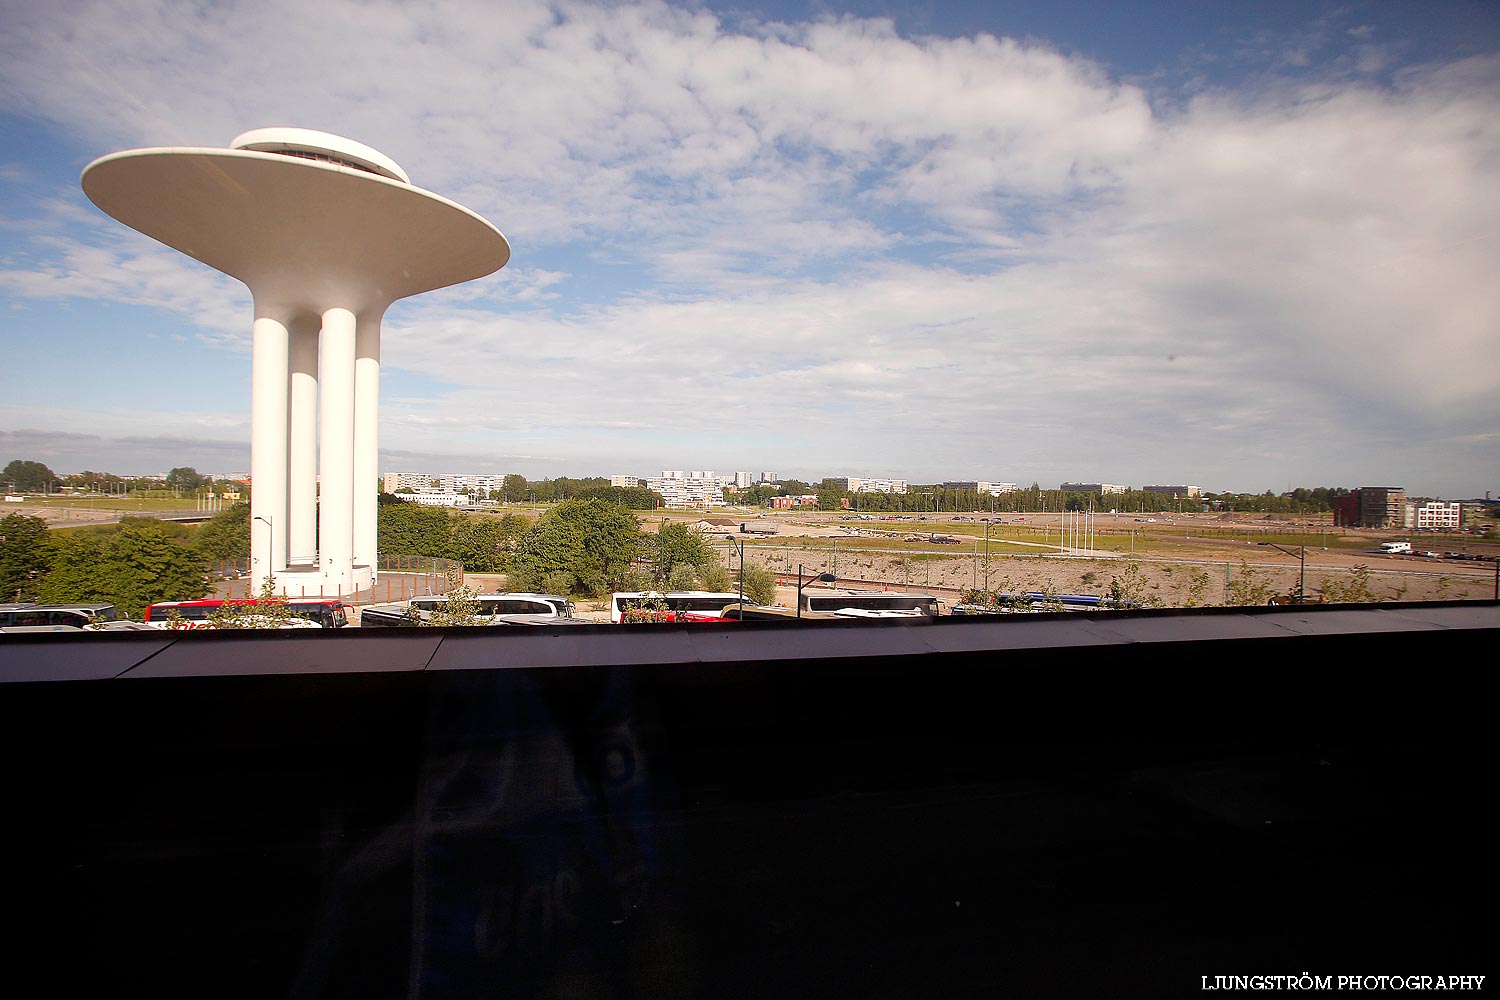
x=1301, y=555
x=987, y=526
x=270, y=546
x=741, y=545
x=820, y=578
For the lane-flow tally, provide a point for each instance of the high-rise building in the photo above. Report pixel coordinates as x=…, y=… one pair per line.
x=1371, y=507
x=697, y=489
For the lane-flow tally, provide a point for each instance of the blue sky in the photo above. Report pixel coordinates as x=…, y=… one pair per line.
x=1245, y=246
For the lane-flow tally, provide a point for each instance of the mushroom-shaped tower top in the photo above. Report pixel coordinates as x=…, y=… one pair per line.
x=305, y=218
x=317, y=145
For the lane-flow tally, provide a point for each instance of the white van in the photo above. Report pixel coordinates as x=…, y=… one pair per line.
x=1395, y=547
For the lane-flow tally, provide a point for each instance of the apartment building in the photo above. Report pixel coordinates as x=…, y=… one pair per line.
x=1371, y=507
x=991, y=489
x=482, y=485
x=853, y=485
x=689, y=489
x=408, y=482
x=426, y=482
x=1175, y=492
x=1103, y=489
x=432, y=499
x=1434, y=515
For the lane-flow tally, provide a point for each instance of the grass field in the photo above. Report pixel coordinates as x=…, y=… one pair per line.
x=124, y=505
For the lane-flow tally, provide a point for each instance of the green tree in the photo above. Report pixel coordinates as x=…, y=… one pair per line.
x=677, y=544
x=88, y=479
x=760, y=584
x=27, y=477
x=594, y=540
x=460, y=608
x=717, y=578
x=682, y=577
x=185, y=479
x=756, y=496
x=172, y=531
x=1198, y=585
x=634, y=497
x=1129, y=587
x=1355, y=590
x=560, y=582
x=412, y=529
x=483, y=542
x=270, y=610
x=1248, y=588
x=831, y=497
x=25, y=556
x=1050, y=599
x=131, y=568
x=225, y=537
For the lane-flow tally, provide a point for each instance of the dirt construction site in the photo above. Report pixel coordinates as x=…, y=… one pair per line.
x=1172, y=560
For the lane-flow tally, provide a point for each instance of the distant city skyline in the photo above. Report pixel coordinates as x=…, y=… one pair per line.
x=1251, y=246
x=451, y=473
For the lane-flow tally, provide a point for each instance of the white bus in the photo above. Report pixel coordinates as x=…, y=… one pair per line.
x=491, y=605
x=498, y=609
x=844, y=601
x=698, y=602
x=28, y=615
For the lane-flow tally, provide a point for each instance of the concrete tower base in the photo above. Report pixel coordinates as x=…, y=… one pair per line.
x=297, y=581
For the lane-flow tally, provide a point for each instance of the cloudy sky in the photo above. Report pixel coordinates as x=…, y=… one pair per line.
x=1248, y=246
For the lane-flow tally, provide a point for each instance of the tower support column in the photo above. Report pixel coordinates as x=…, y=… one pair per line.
x=336, y=451
x=269, y=367
x=302, y=545
x=367, y=437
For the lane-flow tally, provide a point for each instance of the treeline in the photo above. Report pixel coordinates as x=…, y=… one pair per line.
x=130, y=564
x=25, y=476
x=1318, y=500
x=518, y=489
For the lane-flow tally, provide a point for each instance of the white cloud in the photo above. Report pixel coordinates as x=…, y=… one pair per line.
x=974, y=256
x=127, y=268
